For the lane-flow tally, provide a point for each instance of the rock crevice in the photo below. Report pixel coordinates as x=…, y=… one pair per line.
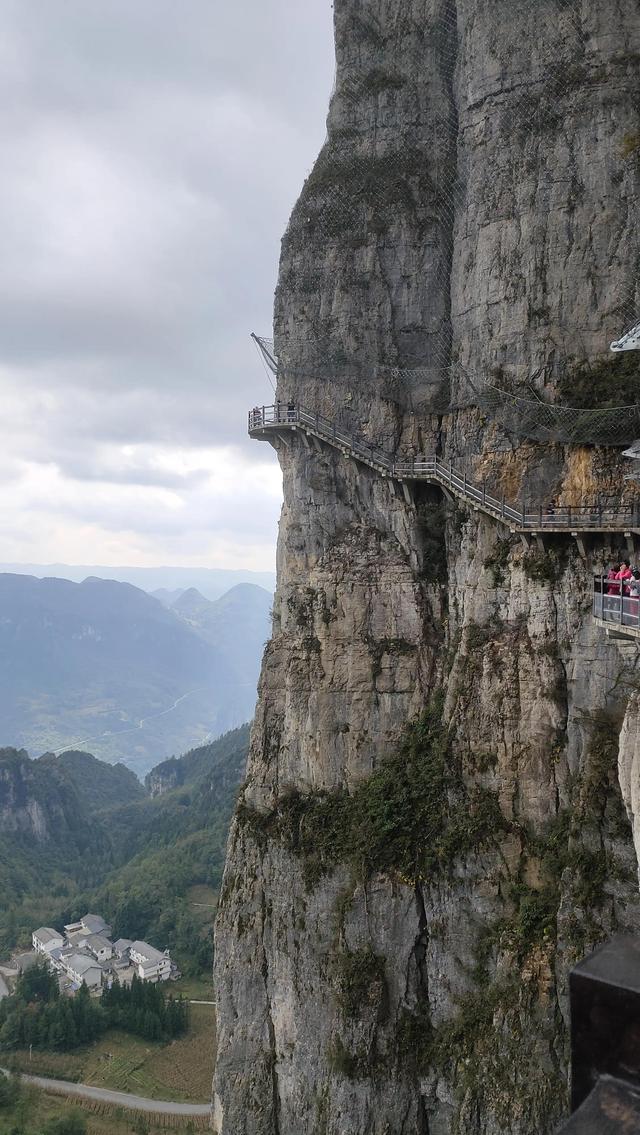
x=432, y=829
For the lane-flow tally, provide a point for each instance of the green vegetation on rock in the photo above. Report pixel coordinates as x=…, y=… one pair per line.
x=610, y=381
x=412, y=818
x=361, y=983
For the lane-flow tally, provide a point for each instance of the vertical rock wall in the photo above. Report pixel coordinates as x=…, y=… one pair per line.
x=432, y=828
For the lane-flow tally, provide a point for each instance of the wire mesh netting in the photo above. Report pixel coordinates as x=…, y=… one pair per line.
x=523, y=416
x=367, y=174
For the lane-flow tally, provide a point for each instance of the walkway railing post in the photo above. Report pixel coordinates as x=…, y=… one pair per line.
x=503, y=504
x=464, y=484
x=541, y=516
x=484, y=492
x=569, y=514
x=524, y=513
x=621, y=600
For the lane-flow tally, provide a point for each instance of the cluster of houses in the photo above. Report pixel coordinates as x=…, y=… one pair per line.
x=84, y=952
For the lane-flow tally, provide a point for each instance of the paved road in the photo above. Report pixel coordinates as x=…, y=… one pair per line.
x=119, y=1099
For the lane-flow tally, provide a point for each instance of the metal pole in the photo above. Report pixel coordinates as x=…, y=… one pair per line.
x=503, y=504
x=621, y=600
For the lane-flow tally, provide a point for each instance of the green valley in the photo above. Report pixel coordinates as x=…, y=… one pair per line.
x=79, y=834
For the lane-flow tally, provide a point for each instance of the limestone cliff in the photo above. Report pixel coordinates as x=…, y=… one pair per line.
x=432, y=828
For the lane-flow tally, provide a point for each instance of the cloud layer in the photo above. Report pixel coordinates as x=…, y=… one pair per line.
x=151, y=153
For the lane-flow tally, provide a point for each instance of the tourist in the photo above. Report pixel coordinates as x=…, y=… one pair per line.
x=625, y=574
x=634, y=593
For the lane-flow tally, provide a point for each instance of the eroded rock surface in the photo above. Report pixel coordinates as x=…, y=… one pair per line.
x=432, y=829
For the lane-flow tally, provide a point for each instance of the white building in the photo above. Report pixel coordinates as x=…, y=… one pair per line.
x=80, y=968
x=100, y=947
x=90, y=924
x=45, y=940
x=151, y=964
x=121, y=947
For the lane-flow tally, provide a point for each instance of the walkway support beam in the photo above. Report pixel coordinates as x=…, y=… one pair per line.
x=575, y=520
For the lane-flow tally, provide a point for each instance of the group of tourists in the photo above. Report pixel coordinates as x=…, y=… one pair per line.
x=622, y=579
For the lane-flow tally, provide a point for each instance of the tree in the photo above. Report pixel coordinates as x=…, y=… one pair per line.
x=9, y=1090
x=11, y=1030
x=72, y=1123
x=37, y=984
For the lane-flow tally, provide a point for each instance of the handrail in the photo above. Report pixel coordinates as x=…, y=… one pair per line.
x=591, y=517
x=614, y=603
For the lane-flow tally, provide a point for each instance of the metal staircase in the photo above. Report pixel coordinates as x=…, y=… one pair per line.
x=265, y=422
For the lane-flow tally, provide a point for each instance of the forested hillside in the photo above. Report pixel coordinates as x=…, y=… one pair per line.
x=61, y=853
x=99, y=784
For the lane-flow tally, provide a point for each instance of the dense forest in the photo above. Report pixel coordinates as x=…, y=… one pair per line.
x=36, y=1014
x=133, y=861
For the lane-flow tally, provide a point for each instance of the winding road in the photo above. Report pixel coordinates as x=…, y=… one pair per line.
x=118, y=1099
x=130, y=728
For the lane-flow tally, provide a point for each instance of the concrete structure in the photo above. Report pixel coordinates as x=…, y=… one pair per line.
x=122, y=946
x=84, y=952
x=81, y=968
x=89, y=924
x=100, y=947
x=151, y=964
x=45, y=939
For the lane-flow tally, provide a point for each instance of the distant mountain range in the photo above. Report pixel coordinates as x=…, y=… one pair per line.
x=102, y=665
x=211, y=582
x=79, y=834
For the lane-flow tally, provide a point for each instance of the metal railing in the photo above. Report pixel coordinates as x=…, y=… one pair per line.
x=589, y=517
x=614, y=603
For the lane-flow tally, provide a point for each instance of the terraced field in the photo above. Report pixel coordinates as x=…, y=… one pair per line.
x=180, y=1071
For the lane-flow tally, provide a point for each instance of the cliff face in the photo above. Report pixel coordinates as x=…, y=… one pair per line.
x=432, y=828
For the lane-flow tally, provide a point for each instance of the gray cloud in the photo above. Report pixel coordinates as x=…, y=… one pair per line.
x=151, y=153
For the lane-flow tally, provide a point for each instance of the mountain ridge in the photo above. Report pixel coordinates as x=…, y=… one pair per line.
x=104, y=666
x=213, y=582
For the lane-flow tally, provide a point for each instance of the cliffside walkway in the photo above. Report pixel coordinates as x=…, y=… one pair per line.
x=614, y=610
x=267, y=421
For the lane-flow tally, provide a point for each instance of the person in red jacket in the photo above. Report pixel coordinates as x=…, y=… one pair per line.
x=624, y=575
x=612, y=574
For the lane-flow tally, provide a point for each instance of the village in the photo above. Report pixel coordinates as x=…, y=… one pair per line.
x=83, y=953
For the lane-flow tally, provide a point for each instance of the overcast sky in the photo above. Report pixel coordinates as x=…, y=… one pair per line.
x=151, y=152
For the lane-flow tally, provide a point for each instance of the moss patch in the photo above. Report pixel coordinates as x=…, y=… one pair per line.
x=498, y=561
x=413, y=818
x=601, y=383
x=542, y=567
x=361, y=984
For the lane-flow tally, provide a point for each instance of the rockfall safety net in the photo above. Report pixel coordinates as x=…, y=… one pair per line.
x=363, y=175
x=521, y=414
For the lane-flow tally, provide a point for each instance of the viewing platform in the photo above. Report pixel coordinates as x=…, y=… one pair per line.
x=527, y=519
x=615, y=610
